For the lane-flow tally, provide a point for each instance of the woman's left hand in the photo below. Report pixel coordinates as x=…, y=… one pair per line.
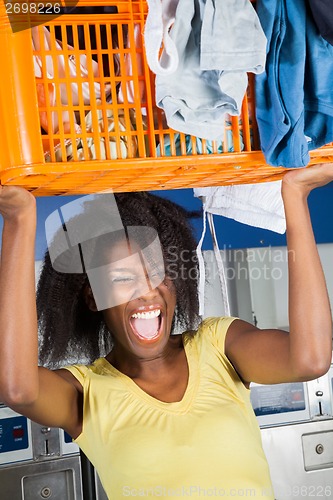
x=272, y=356
x=304, y=180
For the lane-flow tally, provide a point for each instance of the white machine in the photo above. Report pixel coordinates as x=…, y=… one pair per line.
x=297, y=433
x=36, y=462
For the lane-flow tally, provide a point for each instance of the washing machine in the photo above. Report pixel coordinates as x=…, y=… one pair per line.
x=36, y=462
x=296, y=422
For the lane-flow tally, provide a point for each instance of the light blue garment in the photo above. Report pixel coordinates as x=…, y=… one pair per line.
x=294, y=96
x=232, y=38
x=196, y=97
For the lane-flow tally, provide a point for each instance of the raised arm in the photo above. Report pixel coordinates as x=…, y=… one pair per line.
x=274, y=356
x=38, y=393
x=18, y=322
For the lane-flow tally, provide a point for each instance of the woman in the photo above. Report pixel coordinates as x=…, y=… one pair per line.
x=160, y=414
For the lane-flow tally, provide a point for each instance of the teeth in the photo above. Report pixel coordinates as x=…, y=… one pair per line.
x=147, y=314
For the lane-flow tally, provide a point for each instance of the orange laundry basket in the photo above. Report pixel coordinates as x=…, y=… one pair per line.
x=78, y=113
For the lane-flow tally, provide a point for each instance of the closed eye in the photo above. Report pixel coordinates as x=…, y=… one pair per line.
x=122, y=279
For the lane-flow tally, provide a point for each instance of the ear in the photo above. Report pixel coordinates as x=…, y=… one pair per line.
x=89, y=298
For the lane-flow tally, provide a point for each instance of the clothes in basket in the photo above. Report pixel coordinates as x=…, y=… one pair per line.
x=195, y=145
x=108, y=146
x=217, y=44
x=323, y=16
x=52, y=70
x=294, y=96
x=114, y=138
x=160, y=18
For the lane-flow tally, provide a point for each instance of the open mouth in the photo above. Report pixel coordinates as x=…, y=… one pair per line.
x=146, y=325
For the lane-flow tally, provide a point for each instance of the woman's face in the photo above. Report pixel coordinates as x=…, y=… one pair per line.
x=143, y=301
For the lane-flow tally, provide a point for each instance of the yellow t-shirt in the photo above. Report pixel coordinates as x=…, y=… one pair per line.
x=207, y=444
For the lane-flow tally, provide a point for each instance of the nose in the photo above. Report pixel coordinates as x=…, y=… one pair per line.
x=150, y=291
x=147, y=288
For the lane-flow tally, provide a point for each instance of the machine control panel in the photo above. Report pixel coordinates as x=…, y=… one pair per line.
x=15, y=437
x=13, y=434
x=280, y=403
x=22, y=440
x=283, y=404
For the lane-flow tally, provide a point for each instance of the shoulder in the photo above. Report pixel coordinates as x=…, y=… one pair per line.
x=216, y=327
x=78, y=373
x=211, y=342
x=213, y=329
x=217, y=324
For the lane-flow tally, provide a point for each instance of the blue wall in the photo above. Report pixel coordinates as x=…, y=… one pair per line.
x=231, y=234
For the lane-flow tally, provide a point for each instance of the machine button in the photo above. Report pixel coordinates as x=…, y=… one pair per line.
x=18, y=433
x=46, y=492
x=319, y=393
x=45, y=430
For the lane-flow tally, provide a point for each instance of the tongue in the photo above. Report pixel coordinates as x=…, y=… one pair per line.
x=146, y=328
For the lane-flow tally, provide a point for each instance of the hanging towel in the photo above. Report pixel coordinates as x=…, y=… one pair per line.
x=258, y=205
x=217, y=44
x=220, y=267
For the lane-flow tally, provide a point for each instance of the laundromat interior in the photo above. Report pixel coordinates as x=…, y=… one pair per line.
x=64, y=162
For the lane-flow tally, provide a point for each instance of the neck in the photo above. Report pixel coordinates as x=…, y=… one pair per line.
x=148, y=367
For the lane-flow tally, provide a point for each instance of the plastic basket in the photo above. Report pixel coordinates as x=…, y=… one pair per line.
x=127, y=145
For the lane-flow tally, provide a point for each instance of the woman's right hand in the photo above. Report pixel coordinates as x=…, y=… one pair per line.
x=16, y=201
